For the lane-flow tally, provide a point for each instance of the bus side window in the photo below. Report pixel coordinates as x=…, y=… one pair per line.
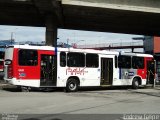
x=137, y=62
x=116, y=59
x=75, y=59
x=62, y=59
x=92, y=60
x=27, y=57
x=124, y=61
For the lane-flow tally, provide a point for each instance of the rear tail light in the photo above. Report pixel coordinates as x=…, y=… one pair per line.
x=10, y=71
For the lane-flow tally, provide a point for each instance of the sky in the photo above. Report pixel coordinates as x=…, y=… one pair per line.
x=37, y=34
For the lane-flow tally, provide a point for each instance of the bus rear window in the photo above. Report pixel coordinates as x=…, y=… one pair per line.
x=27, y=57
x=1, y=62
x=1, y=55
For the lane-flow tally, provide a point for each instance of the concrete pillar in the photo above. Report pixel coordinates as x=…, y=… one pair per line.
x=132, y=49
x=51, y=30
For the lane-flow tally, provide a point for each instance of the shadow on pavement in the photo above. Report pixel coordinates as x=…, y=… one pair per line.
x=12, y=88
x=155, y=94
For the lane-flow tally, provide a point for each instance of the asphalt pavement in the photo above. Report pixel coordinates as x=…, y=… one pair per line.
x=86, y=104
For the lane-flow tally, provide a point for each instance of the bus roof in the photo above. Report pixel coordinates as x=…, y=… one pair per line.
x=64, y=49
x=32, y=47
x=136, y=54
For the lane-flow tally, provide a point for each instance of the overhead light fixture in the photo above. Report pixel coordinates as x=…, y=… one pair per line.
x=138, y=38
x=21, y=0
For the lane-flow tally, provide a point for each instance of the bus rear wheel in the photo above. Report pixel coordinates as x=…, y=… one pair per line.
x=25, y=89
x=135, y=83
x=72, y=85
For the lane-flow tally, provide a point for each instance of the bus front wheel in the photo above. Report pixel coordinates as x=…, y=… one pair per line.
x=72, y=85
x=135, y=83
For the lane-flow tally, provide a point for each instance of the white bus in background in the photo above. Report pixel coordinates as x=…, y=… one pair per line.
x=44, y=66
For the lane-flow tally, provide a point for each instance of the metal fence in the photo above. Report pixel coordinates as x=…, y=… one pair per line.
x=111, y=45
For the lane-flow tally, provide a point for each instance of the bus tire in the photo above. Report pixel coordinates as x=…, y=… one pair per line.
x=135, y=83
x=72, y=85
x=25, y=89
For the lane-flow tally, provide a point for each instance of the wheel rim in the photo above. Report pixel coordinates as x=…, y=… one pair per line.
x=72, y=86
x=136, y=83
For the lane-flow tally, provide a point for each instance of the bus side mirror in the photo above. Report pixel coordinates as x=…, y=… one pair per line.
x=8, y=62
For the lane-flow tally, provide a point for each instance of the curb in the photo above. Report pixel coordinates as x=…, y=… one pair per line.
x=157, y=88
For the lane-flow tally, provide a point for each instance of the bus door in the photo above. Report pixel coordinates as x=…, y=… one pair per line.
x=150, y=72
x=106, y=71
x=48, y=70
